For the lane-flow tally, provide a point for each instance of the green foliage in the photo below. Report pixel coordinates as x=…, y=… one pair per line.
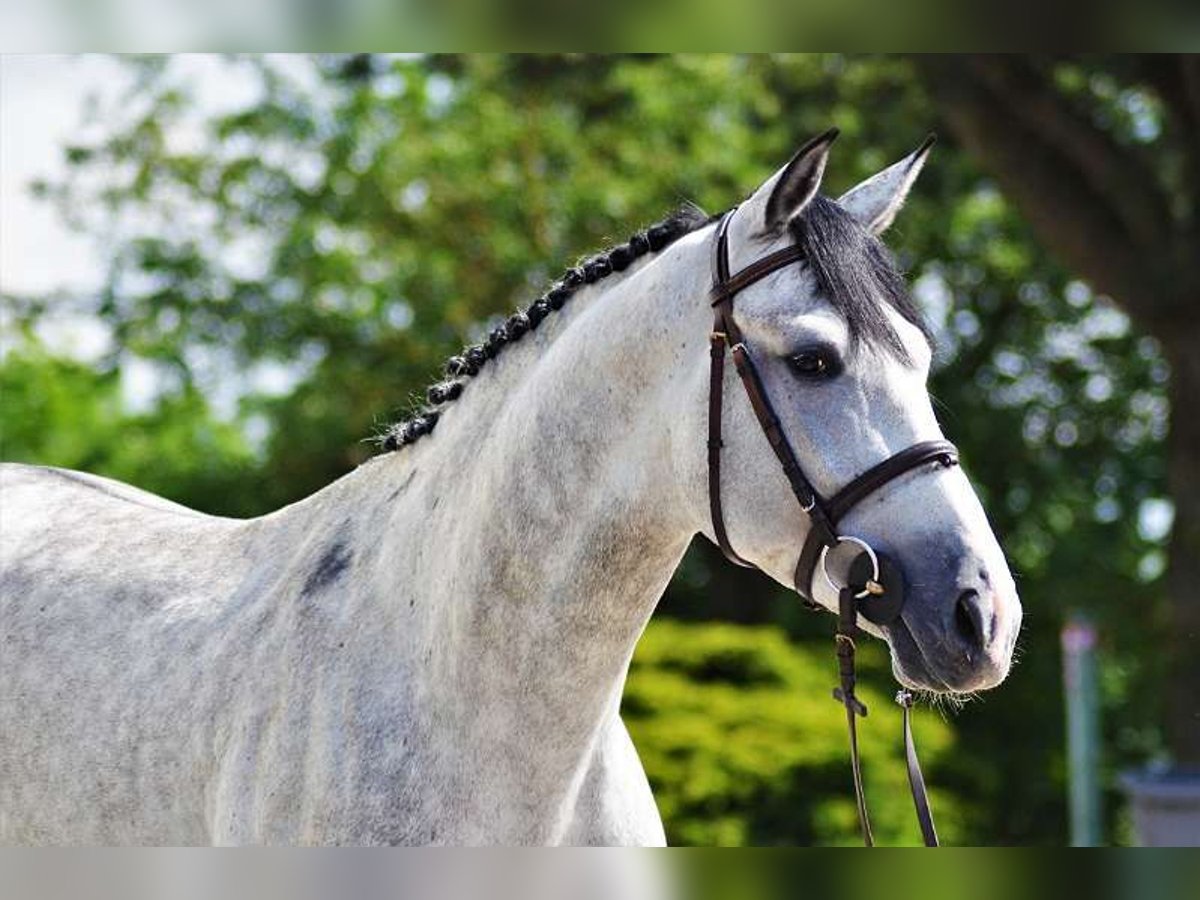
x=318, y=249
x=61, y=412
x=744, y=744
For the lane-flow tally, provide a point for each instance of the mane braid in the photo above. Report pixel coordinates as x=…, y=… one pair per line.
x=460, y=369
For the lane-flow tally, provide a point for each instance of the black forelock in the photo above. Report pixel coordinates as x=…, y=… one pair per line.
x=857, y=274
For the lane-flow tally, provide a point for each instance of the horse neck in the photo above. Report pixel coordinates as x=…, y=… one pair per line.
x=549, y=511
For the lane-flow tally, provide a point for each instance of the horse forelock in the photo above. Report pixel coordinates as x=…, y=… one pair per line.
x=857, y=275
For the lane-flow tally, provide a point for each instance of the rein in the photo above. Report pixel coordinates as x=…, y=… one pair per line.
x=874, y=587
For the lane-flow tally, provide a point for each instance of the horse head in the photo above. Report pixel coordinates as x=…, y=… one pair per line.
x=839, y=358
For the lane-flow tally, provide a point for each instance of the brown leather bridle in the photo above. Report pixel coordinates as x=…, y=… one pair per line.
x=874, y=586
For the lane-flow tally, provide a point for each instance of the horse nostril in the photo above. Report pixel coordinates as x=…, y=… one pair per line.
x=972, y=620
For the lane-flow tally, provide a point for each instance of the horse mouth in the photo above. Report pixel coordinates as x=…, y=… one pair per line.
x=912, y=667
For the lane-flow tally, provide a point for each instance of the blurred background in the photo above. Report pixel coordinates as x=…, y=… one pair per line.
x=221, y=274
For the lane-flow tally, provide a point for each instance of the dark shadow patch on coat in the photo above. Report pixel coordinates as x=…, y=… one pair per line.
x=329, y=568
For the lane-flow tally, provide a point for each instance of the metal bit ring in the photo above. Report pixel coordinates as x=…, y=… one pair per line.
x=873, y=587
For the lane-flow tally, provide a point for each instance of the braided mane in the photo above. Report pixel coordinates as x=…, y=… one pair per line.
x=460, y=369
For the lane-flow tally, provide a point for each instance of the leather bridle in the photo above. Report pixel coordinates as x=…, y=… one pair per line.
x=874, y=585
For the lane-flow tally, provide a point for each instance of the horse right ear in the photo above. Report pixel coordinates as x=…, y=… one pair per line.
x=876, y=201
x=784, y=195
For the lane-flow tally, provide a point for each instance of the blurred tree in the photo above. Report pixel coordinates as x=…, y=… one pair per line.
x=61, y=410
x=1102, y=156
x=317, y=251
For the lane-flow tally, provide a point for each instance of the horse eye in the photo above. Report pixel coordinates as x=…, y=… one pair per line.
x=810, y=363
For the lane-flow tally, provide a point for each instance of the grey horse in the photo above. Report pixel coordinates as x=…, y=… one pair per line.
x=432, y=649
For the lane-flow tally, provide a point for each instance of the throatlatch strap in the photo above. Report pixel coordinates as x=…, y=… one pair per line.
x=715, y=392
x=726, y=333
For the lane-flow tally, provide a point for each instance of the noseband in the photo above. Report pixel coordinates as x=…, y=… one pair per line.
x=875, y=586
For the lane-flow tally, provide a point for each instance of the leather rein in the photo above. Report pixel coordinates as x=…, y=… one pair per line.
x=874, y=586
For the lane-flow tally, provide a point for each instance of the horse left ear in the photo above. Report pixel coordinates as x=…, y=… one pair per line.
x=876, y=201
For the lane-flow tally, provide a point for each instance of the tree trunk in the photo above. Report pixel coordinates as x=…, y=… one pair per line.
x=1094, y=204
x=1183, y=574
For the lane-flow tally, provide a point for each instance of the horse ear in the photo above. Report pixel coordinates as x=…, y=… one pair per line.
x=789, y=190
x=876, y=201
